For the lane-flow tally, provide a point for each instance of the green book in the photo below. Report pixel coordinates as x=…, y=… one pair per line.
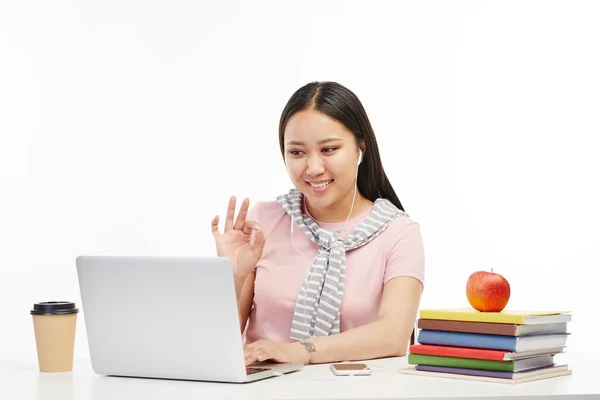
x=488, y=365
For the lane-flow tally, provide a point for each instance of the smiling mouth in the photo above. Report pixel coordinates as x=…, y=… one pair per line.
x=320, y=185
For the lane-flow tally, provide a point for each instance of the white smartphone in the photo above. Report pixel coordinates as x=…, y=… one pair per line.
x=354, y=369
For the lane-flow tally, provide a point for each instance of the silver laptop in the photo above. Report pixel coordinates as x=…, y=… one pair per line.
x=165, y=317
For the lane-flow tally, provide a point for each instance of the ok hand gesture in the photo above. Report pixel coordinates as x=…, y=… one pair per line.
x=242, y=242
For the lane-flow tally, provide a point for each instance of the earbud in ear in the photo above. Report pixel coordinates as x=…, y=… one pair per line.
x=359, y=157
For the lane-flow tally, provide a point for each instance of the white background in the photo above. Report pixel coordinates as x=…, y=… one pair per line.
x=126, y=125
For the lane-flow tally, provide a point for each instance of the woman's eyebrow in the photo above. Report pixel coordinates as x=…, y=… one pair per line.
x=296, y=143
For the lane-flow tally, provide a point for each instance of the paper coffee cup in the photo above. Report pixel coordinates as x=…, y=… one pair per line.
x=54, y=324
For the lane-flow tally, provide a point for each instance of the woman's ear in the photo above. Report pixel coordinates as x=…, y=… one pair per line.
x=363, y=150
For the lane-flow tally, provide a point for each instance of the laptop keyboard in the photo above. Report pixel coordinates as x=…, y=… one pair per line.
x=255, y=370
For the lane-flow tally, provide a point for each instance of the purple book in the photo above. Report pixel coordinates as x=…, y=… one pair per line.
x=474, y=372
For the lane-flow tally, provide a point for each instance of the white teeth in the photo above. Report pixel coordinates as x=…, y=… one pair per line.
x=320, y=185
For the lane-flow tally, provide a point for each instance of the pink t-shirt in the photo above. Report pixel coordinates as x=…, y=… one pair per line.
x=280, y=273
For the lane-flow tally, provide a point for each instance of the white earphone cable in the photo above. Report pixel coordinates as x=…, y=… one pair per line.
x=375, y=369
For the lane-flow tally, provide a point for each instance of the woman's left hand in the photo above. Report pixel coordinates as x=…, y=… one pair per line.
x=263, y=350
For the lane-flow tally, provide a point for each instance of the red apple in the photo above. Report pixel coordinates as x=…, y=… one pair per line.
x=488, y=291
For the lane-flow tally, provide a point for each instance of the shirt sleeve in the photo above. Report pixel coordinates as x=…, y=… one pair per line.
x=407, y=255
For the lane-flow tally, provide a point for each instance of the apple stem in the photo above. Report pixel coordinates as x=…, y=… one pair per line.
x=492, y=269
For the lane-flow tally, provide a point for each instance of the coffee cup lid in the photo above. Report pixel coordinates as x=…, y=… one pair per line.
x=54, y=308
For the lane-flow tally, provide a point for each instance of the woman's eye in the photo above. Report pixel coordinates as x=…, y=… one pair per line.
x=329, y=149
x=295, y=152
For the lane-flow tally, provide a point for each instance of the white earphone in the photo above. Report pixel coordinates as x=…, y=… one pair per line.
x=319, y=252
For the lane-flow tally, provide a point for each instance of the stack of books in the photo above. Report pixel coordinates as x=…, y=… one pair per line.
x=507, y=347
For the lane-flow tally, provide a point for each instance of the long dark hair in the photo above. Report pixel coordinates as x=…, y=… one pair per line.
x=341, y=104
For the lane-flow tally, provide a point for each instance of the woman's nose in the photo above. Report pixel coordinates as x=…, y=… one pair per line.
x=314, y=166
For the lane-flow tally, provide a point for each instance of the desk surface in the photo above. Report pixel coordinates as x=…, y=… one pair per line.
x=22, y=380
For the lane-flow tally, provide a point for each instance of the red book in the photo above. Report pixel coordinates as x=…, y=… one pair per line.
x=480, y=354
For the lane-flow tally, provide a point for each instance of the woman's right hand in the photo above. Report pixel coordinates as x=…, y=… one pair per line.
x=242, y=242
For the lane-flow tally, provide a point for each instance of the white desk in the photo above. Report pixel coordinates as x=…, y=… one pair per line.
x=21, y=380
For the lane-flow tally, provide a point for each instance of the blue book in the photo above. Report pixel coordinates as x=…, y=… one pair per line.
x=492, y=342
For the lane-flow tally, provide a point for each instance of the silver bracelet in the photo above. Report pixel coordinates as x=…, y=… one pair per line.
x=310, y=348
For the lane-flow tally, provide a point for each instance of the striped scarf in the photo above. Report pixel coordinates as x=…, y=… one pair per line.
x=317, y=311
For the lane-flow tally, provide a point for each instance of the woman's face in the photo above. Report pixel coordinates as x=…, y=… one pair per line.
x=321, y=156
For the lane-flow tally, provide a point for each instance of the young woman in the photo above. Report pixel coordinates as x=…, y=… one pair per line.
x=333, y=270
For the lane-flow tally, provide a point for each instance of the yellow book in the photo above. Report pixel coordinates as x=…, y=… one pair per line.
x=519, y=317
